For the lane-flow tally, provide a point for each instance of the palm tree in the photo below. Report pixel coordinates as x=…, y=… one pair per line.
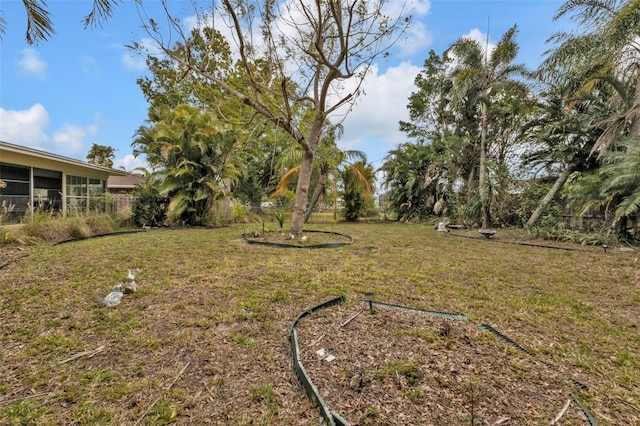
x=622, y=177
x=602, y=51
x=563, y=137
x=197, y=160
x=416, y=180
x=604, y=47
x=477, y=72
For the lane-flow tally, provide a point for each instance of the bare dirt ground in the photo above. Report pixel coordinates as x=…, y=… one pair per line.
x=400, y=367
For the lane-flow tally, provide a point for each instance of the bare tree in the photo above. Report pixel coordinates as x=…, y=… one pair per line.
x=294, y=59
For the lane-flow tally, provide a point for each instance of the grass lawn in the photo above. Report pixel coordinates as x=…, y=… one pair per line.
x=204, y=339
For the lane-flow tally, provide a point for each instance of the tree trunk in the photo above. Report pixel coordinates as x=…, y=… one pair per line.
x=484, y=202
x=316, y=195
x=557, y=186
x=635, y=122
x=335, y=200
x=472, y=176
x=302, y=193
x=304, y=176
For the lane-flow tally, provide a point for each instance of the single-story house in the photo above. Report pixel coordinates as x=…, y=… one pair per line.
x=121, y=190
x=33, y=179
x=124, y=184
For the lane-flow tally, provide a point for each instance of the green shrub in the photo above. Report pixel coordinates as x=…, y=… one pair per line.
x=149, y=208
x=239, y=212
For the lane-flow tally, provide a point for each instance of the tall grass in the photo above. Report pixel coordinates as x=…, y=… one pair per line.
x=51, y=228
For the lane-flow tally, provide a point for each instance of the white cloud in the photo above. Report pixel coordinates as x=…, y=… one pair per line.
x=130, y=163
x=24, y=127
x=32, y=65
x=90, y=67
x=133, y=62
x=481, y=38
x=416, y=39
x=70, y=138
x=374, y=119
x=28, y=128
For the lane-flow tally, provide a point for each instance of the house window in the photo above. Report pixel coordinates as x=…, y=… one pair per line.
x=15, y=195
x=47, y=190
x=84, y=194
x=97, y=188
x=76, y=194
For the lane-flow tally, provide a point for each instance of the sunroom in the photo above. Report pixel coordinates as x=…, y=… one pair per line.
x=31, y=180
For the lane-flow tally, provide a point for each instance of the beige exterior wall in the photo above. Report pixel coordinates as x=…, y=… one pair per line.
x=44, y=163
x=21, y=156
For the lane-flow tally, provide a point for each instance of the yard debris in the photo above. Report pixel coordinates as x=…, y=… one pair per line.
x=352, y=318
x=88, y=354
x=561, y=413
x=315, y=342
x=426, y=372
x=130, y=283
x=325, y=355
x=115, y=297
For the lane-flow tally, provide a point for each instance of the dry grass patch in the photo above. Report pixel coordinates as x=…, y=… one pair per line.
x=221, y=307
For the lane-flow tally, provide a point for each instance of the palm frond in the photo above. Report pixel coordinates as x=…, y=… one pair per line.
x=284, y=182
x=39, y=25
x=3, y=27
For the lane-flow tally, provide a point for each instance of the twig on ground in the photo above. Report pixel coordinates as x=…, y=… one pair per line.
x=88, y=354
x=561, y=413
x=209, y=390
x=352, y=318
x=315, y=342
x=166, y=390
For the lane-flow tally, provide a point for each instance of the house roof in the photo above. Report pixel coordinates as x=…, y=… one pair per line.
x=36, y=153
x=125, y=182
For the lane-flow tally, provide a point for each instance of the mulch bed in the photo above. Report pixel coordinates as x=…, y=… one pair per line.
x=399, y=367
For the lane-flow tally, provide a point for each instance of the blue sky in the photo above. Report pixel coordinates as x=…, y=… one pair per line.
x=79, y=87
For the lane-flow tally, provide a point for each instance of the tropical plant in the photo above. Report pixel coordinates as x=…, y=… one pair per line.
x=358, y=181
x=477, y=73
x=561, y=138
x=196, y=159
x=417, y=186
x=149, y=208
x=601, y=60
x=101, y=155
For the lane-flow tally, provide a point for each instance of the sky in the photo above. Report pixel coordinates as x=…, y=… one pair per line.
x=79, y=87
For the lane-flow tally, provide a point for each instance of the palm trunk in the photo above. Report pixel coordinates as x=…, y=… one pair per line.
x=335, y=200
x=557, y=186
x=482, y=172
x=472, y=176
x=635, y=123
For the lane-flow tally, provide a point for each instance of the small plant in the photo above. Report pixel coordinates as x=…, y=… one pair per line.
x=416, y=396
x=402, y=368
x=244, y=340
x=21, y=412
x=279, y=216
x=163, y=413
x=264, y=393
x=239, y=212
